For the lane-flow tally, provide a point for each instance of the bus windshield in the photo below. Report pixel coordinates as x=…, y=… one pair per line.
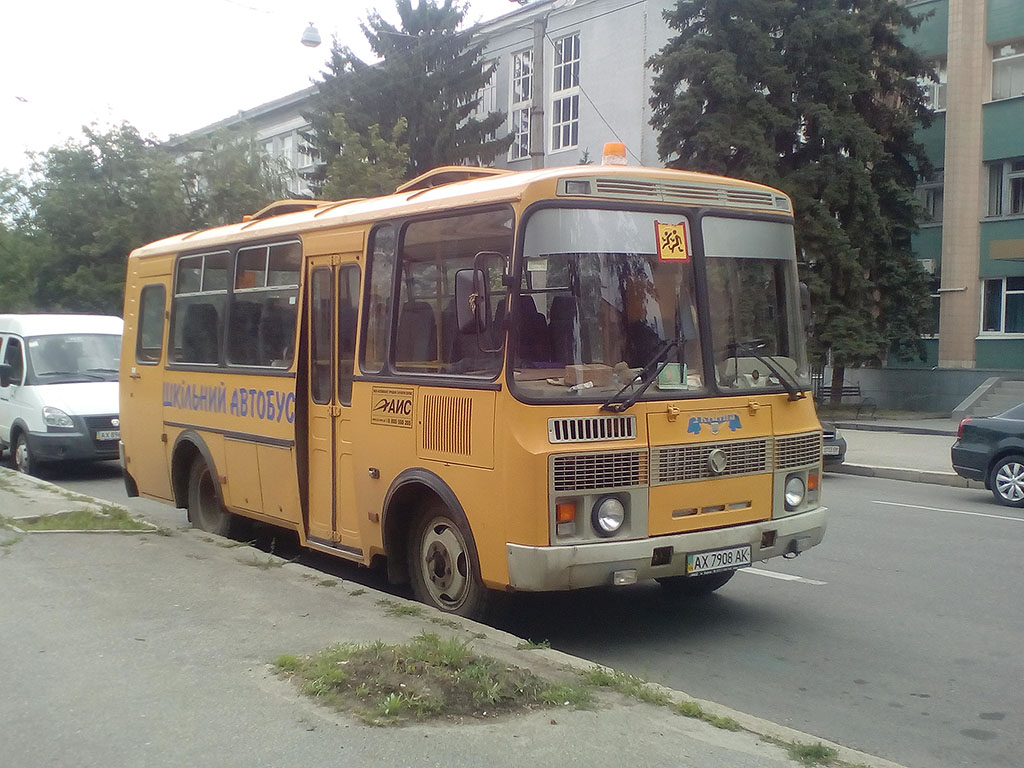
x=597, y=306
x=754, y=304
x=601, y=310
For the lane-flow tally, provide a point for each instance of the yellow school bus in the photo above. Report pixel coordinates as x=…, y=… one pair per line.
x=489, y=380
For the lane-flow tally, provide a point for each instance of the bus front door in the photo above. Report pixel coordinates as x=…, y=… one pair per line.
x=333, y=295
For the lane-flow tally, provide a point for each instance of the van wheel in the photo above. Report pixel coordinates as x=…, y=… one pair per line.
x=443, y=564
x=204, y=508
x=695, y=586
x=22, y=458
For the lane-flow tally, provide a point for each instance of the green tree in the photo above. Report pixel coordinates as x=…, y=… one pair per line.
x=228, y=174
x=429, y=74
x=95, y=200
x=819, y=98
x=366, y=166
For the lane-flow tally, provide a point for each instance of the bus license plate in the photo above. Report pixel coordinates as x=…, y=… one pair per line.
x=718, y=560
x=108, y=434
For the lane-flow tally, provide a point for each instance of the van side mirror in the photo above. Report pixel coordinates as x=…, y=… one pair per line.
x=472, y=300
x=5, y=375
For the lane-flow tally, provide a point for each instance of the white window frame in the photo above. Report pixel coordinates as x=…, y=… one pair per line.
x=565, y=93
x=1008, y=70
x=935, y=92
x=520, y=103
x=487, y=97
x=1005, y=177
x=1003, y=293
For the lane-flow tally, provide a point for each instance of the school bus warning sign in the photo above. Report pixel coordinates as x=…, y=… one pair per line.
x=392, y=406
x=672, y=245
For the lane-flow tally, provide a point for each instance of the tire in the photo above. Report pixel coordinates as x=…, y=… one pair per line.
x=696, y=586
x=22, y=458
x=1007, y=481
x=204, y=507
x=443, y=565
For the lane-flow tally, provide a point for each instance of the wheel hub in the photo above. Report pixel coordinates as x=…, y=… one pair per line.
x=1010, y=481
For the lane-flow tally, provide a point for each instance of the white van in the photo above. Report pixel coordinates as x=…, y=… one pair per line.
x=58, y=388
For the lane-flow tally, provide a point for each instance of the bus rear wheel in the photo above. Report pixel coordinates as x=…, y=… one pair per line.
x=204, y=507
x=695, y=586
x=443, y=564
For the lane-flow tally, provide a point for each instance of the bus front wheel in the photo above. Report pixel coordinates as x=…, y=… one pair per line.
x=204, y=507
x=695, y=586
x=443, y=565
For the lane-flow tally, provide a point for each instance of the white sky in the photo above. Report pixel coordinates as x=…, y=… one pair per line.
x=166, y=68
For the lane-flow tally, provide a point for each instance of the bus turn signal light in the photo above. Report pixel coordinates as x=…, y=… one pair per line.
x=565, y=512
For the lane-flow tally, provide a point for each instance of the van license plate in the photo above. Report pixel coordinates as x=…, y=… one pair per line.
x=108, y=434
x=718, y=560
x=830, y=450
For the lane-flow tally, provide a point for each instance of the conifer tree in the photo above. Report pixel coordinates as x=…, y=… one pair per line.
x=821, y=99
x=430, y=75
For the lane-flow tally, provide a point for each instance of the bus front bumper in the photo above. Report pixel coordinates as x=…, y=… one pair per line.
x=541, y=569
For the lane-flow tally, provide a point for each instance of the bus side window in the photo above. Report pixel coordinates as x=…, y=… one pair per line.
x=151, y=324
x=348, y=303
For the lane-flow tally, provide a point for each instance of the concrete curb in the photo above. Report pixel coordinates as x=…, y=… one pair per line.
x=950, y=479
x=865, y=427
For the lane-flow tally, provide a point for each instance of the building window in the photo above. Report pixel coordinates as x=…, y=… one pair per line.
x=1006, y=188
x=929, y=194
x=935, y=90
x=1008, y=70
x=1003, y=305
x=565, y=110
x=487, y=98
x=520, y=103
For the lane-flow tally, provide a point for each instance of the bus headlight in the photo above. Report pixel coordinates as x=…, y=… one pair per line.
x=795, y=490
x=608, y=516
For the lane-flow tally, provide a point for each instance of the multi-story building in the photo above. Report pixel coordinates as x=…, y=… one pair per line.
x=974, y=243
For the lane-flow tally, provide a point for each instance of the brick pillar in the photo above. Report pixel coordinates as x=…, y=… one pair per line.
x=967, y=64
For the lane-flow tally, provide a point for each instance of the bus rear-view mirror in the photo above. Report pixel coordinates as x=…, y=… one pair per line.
x=472, y=300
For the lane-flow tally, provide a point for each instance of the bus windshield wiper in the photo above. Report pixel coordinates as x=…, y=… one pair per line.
x=643, y=379
x=790, y=384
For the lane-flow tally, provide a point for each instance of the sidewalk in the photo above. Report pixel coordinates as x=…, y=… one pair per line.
x=905, y=449
x=153, y=649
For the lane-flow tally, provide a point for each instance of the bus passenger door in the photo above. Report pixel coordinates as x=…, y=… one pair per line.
x=333, y=298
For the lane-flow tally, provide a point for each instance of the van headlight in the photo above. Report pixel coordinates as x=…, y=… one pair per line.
x=55, y=417
x=608, y=516
x=795, y=491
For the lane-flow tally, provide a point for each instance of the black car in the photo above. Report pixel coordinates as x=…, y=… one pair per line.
x=833, y=447
x=991, y=449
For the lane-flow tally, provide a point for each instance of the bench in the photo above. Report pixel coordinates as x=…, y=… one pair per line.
x=823, y=394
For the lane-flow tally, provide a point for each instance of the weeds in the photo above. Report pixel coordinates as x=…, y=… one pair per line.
x=108, y=518
x=530, y=645
x=811, y=754
x=391, y=608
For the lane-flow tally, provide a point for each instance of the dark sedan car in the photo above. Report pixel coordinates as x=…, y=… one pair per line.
x=833, y=447
x=991, y=449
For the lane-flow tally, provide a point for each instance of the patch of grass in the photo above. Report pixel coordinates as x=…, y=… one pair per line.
x=110, y=518
x=358, y=591
x=10, y=541
x=811, y=754
x=229, y=544
x=630, y=685
x=442, y=622
x=428, y=677
x=530, y=645
x=264, y=563
x=693, y=709
x=391, y=608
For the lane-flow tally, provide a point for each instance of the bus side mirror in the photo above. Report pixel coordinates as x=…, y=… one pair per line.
x=472, y=300
x=5, y=375
x=805, y=308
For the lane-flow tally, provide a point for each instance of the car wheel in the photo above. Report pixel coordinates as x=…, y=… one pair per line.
x=21, y=457
x=443, y=565
x=1007, y=481
x=695, y=586
x=204, y=507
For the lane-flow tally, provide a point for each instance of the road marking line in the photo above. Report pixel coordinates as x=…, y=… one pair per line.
x=953, y=511
x=783, y=576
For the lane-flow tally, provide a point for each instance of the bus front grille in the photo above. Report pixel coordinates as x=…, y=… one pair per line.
x=798, y=450
x=686, y=463
x=592, y=471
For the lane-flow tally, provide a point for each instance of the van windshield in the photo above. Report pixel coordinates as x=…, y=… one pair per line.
x=74, y=357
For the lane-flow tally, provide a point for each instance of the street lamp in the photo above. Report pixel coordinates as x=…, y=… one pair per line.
x=310, y=36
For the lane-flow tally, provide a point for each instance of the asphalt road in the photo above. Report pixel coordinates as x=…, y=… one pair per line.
x=900, y=635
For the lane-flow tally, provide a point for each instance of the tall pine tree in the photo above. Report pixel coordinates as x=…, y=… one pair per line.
x=430, y=76
x=821, y=99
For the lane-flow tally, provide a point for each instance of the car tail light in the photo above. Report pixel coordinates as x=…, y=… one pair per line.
x=960, y=429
